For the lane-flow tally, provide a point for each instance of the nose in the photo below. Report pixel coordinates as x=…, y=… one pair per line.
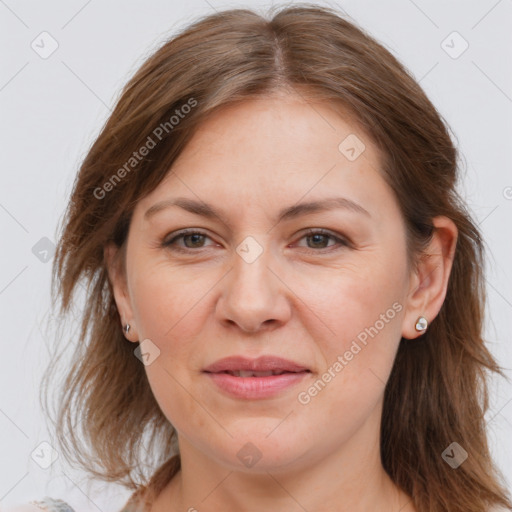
x=254, y=296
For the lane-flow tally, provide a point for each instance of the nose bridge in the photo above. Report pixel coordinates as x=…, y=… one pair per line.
x=251, y=275
x=253, y=294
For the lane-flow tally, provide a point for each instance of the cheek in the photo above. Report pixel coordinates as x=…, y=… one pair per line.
x=168, y=311
x=178, y=400
x=357, y=327
x=167, y=300
x=166, y=306
x=341, y=303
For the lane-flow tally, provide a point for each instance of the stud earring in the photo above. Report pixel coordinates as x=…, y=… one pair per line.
x=421, y=324
x=126, y=328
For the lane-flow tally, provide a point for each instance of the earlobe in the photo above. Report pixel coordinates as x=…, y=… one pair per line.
x=117, y=277
x=430, y=279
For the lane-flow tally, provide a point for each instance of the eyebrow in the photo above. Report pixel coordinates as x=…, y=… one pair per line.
x=290, y=212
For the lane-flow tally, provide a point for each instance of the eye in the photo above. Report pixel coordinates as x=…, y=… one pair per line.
x=319, y=238
x=192, y=239
x=195, y=239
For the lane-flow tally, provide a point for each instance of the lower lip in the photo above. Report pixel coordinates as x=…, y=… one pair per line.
x=253, y=388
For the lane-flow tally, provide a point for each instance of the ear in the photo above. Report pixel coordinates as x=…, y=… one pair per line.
x=429, y=280
x=114, y=259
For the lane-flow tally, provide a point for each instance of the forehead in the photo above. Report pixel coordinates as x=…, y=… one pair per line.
x=278, y=127
x=275, y=151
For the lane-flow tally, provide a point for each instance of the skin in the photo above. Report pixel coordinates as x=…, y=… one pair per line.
x=304, y=298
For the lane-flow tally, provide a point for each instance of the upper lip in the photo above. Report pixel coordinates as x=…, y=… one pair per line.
x=261, y=364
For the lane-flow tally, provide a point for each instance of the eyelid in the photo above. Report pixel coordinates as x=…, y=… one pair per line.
x=340, y=239
x=180, y=234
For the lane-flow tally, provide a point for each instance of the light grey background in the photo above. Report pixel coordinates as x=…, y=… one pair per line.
x=53, y=107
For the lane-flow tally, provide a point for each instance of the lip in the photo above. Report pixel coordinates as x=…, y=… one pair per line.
x=255, y=388
x=261, y=364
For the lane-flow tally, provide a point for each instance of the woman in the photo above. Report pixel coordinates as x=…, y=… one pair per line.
x=286, y=293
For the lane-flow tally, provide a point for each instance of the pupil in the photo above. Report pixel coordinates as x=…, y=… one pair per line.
x=318, y=238
x=195, y=236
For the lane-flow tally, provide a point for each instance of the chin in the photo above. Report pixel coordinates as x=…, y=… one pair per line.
x=253, y=450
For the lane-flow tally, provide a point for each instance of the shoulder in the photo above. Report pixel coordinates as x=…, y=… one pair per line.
x=46, y=504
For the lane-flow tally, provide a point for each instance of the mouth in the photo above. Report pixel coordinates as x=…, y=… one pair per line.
x=263, y=366
x=249, y=373
x=253, y=379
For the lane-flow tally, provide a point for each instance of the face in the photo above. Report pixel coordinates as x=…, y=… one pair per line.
x=325, y=288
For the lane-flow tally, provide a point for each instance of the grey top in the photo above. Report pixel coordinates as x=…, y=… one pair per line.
x=47, y=504
x=51, y=505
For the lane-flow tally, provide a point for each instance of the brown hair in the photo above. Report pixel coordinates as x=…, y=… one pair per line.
x=437, y=391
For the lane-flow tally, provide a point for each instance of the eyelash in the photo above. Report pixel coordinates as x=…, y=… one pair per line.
x=311, y=232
